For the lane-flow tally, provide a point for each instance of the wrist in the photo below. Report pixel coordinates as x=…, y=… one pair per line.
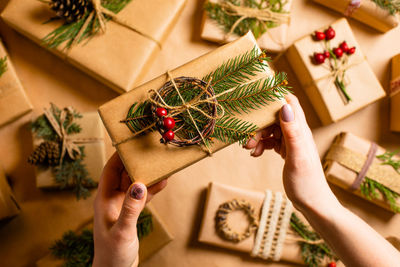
x=327, y=207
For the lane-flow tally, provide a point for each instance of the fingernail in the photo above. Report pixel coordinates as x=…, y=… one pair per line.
x=287, y=113
x=137, y=191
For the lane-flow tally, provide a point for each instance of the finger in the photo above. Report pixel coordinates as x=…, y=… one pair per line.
x=253, y=141
x=154, y=189
x=269, y=143
x=277, y=133
x=135, y=200
x=258, y=150
x=125, y=181
x=283, y=149
x=110, y=178
x=277, y=147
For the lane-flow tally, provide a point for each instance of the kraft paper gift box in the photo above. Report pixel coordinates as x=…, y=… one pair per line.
x=273, y=40
x=13, y=101
x=8, y=205
x=94, y=152
x=365, y=11
x=278, y=236
x=117, y=58
x=318, y=80
x=395, y=95
x=159, y=237
x=147, y=160
x=346, y=165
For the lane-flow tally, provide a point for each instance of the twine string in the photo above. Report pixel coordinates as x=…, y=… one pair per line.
x=363, y=172
x=352, y=7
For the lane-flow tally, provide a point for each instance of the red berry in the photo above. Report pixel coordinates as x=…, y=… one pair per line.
x=338, y=52
x=169, y=123
x=319, y=35
x=344, y=46
x=330, y=33
x=327, y=54
x=332, y=264
x=161, y=112
x=319, y=58
x=168, y=135
x=351, y=50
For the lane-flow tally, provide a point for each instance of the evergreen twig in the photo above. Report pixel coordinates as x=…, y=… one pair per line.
x=3, y=65
x=393, y=6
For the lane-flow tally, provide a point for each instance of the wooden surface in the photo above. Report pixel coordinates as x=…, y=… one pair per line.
x=46, y=215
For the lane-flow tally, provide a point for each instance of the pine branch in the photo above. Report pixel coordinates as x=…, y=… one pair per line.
x=3, y=65
x=230, y=130
x=393, y=6
x=139, y=116
x=374, y=190
x=388, y=159
x=145, y=224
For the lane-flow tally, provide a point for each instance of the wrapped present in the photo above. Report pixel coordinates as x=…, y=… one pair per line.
x=152, y=233
x=365, y=169
x=226, y=20
x=13, y=101
x=8, y=205
x=196, y=109
x=87, y=36
x=69, y=150
x=334, y=72
x=395, y=95
x=263, y=225
x=378, y=14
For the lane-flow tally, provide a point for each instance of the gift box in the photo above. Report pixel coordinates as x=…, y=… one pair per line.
x=147, y=160
x=365, y=169
x=155, y=238
x=51, y=171
x=382, y=16
x=219, y=17
x=118, y=66
x=394, y=95
x=230, y=214
x=8, y=205
x=13, y=101
x=334, y=72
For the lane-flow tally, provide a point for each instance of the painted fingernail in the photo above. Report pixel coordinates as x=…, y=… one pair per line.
x=287, y=113
x=137, y=191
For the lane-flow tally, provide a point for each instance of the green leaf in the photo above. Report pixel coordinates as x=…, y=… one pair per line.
x=3, y=65
x=392, y=6
x=374, y=190
x=145, y=224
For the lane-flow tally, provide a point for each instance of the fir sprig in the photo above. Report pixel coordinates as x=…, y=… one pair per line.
x=3, y=65
x=312, y=254
x=68, y=32
x=393, y=6
x=388, y=159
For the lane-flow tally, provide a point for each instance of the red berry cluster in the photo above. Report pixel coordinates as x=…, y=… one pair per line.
x=332, y=264
x=168, y=124
x=327, y=35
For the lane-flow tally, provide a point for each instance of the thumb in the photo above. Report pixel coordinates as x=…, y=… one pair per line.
x=134, y=202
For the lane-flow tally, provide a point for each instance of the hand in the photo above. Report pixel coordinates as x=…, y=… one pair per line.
x=116, y=209
x=303, y=176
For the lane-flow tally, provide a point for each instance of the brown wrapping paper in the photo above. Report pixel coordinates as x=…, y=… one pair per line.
x=218, y=194
x=94, y=152
x=395, y=95
x=149, y=245
x=368, y=13
x=274, y=40
x=147, y=160
x=344, y=177
x=13, y=100
x=8, y=205
x=118, y=58
x=363, y=86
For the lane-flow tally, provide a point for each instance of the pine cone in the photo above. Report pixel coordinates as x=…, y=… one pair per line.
x=47, y=152
x=70, y=10
x=53, y=153
x=38, y=155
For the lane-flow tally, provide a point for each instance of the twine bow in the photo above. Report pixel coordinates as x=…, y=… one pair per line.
x=352, y=7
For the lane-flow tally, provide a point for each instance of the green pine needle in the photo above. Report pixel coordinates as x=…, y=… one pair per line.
x=145, y=224
x=393, y=6
x=229, y=130
x=388, y=159
x=258, y=27
x=3, y=65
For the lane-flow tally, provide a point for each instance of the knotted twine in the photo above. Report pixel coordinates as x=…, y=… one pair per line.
x=395, y=86
x=69, y=144
x=352, y=7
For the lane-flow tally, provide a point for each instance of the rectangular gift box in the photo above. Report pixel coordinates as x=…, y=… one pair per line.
x=13, y=101
x=274, y=40
x=346, y=158
x=318, y=83
x=366, y=11
x=95, y=157
x=8, y=205
x=148, y=245
x=120, y=56
x=147, y=160
x=395, y=95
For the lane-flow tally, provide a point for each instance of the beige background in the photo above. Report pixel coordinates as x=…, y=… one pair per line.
x=46, y=214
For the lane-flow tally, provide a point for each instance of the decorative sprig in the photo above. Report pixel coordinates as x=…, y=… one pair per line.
x=393, y=6
x=3, y=65
x=144, y=225
x=388, y=159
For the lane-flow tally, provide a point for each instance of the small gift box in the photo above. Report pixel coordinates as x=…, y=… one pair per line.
x=8, y=205
x=395, y=95
x=13, y=101
x=378, y=14
x=261, y=224
x=152, y=233
x=113, y=41
x=196, y=109
x=365, y=169
x=226, y=20
x=334, y=72
x=69, y=150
